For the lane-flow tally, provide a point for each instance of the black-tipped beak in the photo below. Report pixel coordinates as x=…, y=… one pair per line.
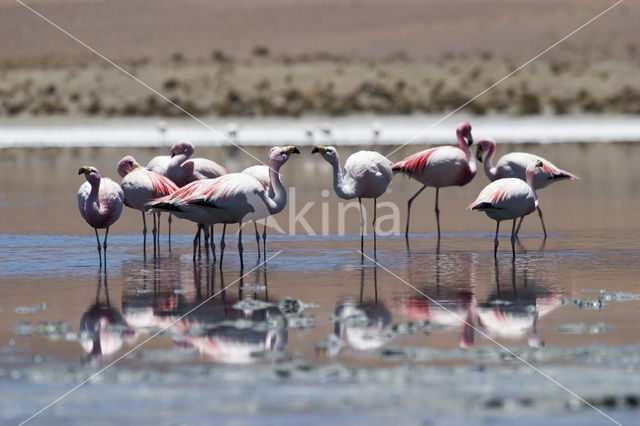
x=314, y=150
x=470, y=140
x=479, y=154
x=81, y=170
x=296, y=151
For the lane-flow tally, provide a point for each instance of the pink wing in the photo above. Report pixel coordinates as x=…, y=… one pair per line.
x=415, y=163
x=161, y=185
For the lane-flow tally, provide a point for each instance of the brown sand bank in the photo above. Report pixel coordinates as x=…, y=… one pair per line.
x=332, y=57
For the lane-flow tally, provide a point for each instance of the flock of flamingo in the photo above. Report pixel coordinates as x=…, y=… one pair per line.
x=202, y=191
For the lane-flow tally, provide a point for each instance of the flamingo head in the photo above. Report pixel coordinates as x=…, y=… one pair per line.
x=329, y=153
x=534, y=169
x=127, y=165
x=280, y=154
x=90, y=173
x=483, y=145
x=464, y=130
x=180, y=148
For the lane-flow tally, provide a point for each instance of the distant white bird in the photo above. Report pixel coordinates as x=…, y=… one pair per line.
x=232, y=198
x=440, y=167
x=366, y=175
x=100, y=202
x=515, y=165
x=507, y=199
x=141, y=186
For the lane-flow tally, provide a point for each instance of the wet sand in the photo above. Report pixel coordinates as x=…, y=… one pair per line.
x=568, y=305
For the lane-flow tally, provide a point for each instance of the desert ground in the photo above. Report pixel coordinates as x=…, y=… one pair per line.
x=277, y=58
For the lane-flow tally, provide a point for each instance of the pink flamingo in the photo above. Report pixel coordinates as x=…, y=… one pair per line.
x=509, y=198
x=141, y=186
x=515, y=165
x=182, y=169
x=366, y=175
x=232, y=198
x=100, y=202
x=440, y=167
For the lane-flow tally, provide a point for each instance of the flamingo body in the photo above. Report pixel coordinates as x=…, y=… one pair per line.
x=437, y=167
x=507, y=199
x=514, y=165
x=440, y=167
x=232, y=198
x=183, y=169
x=140, y=185
x=366, y=175
x=100, y=200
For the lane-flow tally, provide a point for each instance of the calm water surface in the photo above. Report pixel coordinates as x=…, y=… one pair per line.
x=431, y=334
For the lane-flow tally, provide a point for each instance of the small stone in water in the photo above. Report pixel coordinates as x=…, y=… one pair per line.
x=251, y=305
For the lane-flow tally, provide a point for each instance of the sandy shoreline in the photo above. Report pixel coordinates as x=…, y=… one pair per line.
x=253, y=58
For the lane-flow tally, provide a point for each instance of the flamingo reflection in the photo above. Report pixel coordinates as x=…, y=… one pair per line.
x=102, y=330
x=225, y=328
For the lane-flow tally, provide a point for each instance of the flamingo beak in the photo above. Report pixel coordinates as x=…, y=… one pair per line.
x=83, y=170
x=291, y=150
x=479, y=154
x=538, y=163
x=469, y=140
x=135, y=165
x=321, y=149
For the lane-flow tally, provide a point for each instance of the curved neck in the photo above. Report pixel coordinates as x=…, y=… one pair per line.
x=277, y=193
x=341, y=187
x=467, y=152
x=489, y=170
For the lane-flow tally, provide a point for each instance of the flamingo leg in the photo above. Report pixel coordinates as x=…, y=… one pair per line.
x=375, y=247
x=99, y=246
x=240, y=247
x=158, y=233
x=255, y=225
x=222, y=244
x=544, y=229
x=196, y=242
x=170, y=220
x=513, y=238
x=406, y=231
x=495, y=241
x=213, y=245
x=205, y=231
x=154, y=233
x=437, y=210
x=519, y=225
x=361, y=226
x=104, y=246
x=144, y=233
x=264, y=240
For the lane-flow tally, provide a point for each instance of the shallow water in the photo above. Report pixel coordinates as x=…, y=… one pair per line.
x=432, y=334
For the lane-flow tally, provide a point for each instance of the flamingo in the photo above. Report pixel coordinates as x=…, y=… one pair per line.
x=100, y=202
x=141, y=186
x=183, y=169
x=514, y=165
x=261, y=173
x=366, y=175
x=440, y=167
x=509, y=198
x=232, y=198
